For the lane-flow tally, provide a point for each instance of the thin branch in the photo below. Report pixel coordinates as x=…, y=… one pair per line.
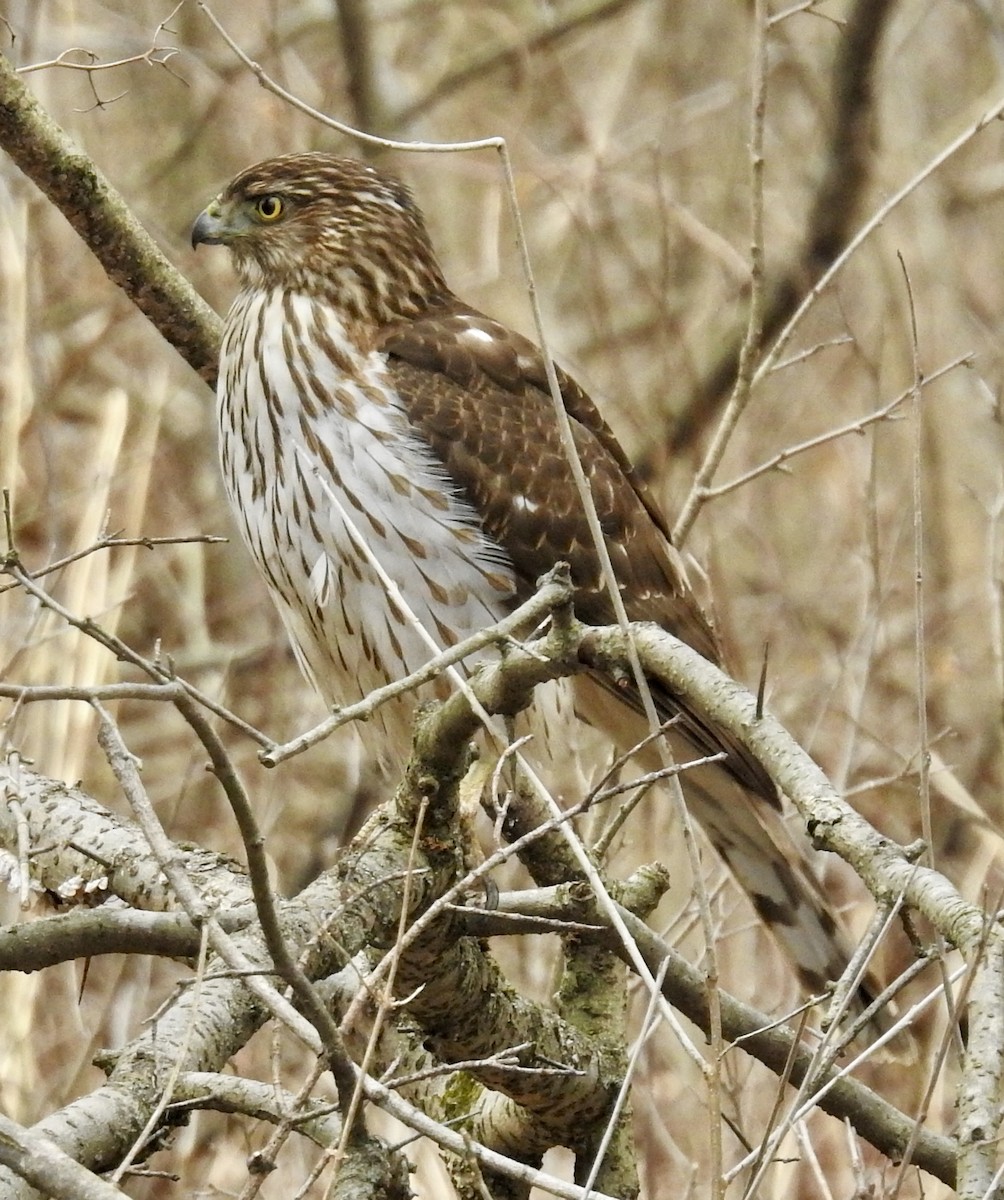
x=839, y=339
x=457, y=1143
x=749, y=350
x=112, y=541
x=212, y=1092
x=157, y=56
x=350, y=131
x=553, y=592
x=553, y=26
x=87, y=933
x=919, y=623
x=164, y=675
x=275, y=936
x=188, y=896
x=836, y=205
x=295, y=1120
x=31, y=693
x=874, y=222
x=832, y=435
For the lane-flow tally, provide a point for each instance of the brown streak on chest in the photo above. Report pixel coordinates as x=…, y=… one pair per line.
x=326, y=344
x=438, y=501
x=414, y=546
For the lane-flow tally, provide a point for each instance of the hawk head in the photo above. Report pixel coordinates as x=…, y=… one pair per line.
x=329, y=227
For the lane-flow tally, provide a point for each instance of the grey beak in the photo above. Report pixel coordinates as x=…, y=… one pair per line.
x=206, y=230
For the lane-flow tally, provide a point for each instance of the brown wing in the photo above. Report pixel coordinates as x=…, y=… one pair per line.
x=478, y=393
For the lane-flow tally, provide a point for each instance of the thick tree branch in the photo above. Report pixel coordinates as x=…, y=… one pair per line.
x=48, y=1168
x=74, y=838
x=370, y=876
x=884, y=867
x=129, y=256
x=87, y=933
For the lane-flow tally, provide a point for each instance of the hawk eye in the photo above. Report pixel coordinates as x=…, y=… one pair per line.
x=269, y=208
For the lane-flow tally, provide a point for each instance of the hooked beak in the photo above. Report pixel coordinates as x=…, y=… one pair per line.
x=209, y=229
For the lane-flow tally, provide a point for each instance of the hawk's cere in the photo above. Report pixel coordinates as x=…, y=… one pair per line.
x=357, y=391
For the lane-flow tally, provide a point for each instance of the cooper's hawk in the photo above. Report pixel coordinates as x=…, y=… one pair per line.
x=355, y=389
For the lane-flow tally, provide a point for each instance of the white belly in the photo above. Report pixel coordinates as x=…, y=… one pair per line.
x=327, y=478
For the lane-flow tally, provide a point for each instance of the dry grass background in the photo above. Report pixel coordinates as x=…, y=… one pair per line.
x=629, y=138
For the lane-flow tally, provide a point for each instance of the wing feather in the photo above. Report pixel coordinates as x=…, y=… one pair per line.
x=478, y=394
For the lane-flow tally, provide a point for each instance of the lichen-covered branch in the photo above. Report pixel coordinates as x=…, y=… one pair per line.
x=81, y=844
x=457, y=1004
x=129, y=256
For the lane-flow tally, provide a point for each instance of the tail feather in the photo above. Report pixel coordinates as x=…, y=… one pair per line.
x=761, y=854
x=748, y=831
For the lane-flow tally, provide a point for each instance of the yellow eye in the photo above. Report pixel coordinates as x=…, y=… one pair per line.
x=269, y=208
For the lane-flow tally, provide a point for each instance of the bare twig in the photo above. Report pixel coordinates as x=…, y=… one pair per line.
x=874, y=222
x=162, y=674
x=859, y=425
x=157, y=56
x=112, y=541
x=359, y=135
x=920, y=624
x=31, y=693
x=749, y=351
x=835, y=208
x=341, y=1067
x=555, y=591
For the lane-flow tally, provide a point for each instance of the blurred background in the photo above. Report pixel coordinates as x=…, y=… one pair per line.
x=628, y=124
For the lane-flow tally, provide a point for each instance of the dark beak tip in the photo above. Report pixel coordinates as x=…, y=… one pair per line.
x=204, y=232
